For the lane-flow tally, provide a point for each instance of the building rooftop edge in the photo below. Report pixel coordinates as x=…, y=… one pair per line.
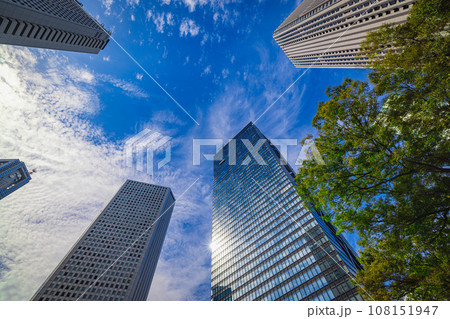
x=242, y=130
x=298, y=12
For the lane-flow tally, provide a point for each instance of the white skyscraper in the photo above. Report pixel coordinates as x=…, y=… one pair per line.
x=116, y=258
x=328, y=33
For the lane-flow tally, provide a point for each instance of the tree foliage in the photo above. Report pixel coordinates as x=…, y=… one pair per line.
x=386, y=147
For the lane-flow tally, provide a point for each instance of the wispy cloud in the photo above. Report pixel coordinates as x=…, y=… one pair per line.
x=193, y=4
x=41, y=124
x=206, y=71
x=46, y=105
x=129, y=88
x=188, y=27
x=243, y=100
x=107, y=4
x=160, y=19
x=81, y=74
x=132, y=2
x=225, y=73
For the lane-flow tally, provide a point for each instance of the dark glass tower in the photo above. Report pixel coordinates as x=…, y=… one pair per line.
x=115, y=259
x=267, y=243
x=51, y=24
x=13, y=175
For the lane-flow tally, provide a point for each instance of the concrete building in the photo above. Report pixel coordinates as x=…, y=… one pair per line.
x=116, y=258
x=50, y=24
x=13, y=175
x=328, y=33
x=267, y=244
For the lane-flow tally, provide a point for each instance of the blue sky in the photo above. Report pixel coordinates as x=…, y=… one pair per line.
x=69, y=114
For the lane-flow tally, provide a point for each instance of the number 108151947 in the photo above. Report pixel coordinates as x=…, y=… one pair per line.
x=395, y=310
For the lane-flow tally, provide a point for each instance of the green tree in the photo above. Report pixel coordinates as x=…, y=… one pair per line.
x=386, y=147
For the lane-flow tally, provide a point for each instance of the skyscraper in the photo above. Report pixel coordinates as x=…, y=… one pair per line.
x=50, y=24
x=267, y=243
x=115, y=259
x=328, y=33
x=13, y=175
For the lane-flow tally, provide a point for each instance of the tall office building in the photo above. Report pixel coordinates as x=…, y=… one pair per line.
x=268, y=244
x=328, y=33
x=115, y=259
x=50, y=24
x=13, y=175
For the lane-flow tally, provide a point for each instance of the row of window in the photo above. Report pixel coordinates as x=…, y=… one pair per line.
x=280, y=240
x=224, y=198
x=66, y=9
x=300, y=35
x=258, y=220
x=306, y=16
x=296, y=264
x=255, y=230
x=107, y=257
x=45, y=33
x=266, y=239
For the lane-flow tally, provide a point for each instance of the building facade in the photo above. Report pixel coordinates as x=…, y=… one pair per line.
x=267, y=244
x=328, y=33
x=13, y=175
x=50, y=24
x=116, y=258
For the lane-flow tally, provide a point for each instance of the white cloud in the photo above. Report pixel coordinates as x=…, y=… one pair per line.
x=133, y=18
x=159, y=22
x=204, y=39
x=169, y=18
x=191, y=4
x=225, y=73
x=226, y=17
x=216, y=17
x=148, y=15
x=46, y=105
x=127, y=87
x=165, y=53
x=206, y=71
x=234, y=107
x=213, y=4
x=160, y=19
x=188, y=27
x=106, y=58
x=107, y=4
x=41, y=125
x=80, y=75
x=139, y=76
x=165, y=117
x=132, y=2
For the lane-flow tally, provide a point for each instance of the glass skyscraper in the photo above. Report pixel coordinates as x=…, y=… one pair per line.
x=116, y=258
x=13, y=175
x=267, y=243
